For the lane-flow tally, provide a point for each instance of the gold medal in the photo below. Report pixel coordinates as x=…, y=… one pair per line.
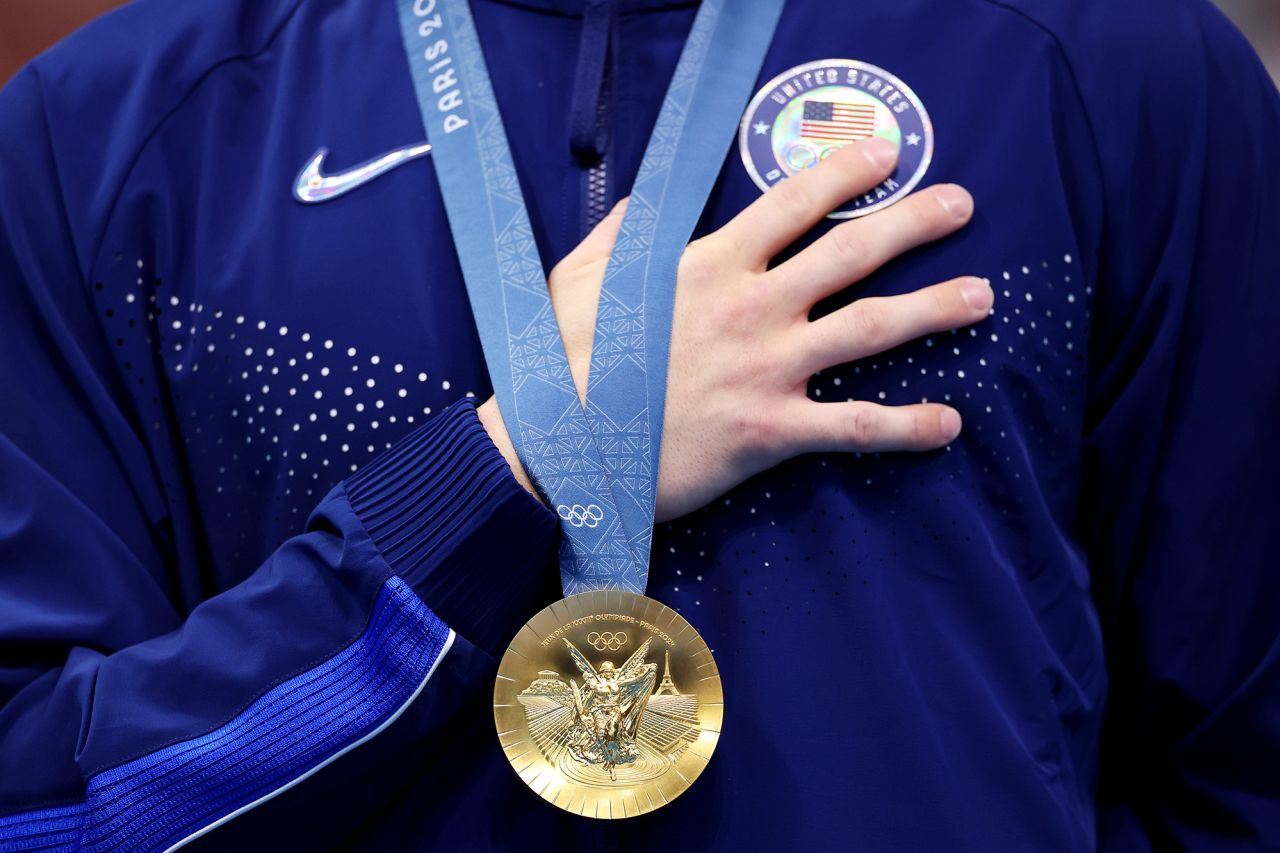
x=608, y=704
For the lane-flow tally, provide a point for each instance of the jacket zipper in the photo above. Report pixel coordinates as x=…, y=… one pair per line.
x=596, y=201
x=589, y=117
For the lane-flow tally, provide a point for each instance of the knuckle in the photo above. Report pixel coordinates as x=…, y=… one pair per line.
x=749, y=367
x=864, y=424
x=734, y=315
x=739, y=312
x=944, y=303
x=760, y=293
x=923, y=427
x=758, y=429
x=925, y=213
x=868, y=321
x=848, y=245
x=698, y=264
x=793, y=198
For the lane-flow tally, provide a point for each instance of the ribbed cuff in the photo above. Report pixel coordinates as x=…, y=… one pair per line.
x=450, y=518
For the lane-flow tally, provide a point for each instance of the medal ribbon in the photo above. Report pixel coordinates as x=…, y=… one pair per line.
x=598, y=467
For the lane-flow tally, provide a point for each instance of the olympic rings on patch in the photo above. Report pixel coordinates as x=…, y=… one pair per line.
x=581, y=516
x=608, y=641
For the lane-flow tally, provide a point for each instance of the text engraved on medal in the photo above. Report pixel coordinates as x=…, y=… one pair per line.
x=607, y=617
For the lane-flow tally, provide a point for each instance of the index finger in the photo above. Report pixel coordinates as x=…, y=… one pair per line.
x=793, y=206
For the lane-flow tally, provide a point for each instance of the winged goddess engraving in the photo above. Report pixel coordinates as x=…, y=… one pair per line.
x=607, y=708
x=613, y=727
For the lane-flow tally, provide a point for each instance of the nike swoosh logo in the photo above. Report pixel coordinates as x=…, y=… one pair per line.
x=314, y=186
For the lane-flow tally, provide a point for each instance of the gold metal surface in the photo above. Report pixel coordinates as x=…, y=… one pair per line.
x=608, y=704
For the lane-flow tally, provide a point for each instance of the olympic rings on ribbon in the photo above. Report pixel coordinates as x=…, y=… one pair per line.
x=608, y=641
x=581, y=516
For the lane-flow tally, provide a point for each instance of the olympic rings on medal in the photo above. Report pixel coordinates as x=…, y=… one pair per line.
x=608, y=641
x=581, y=516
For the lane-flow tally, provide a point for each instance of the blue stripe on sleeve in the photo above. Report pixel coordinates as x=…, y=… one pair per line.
x=289, y=732
x=49, y=829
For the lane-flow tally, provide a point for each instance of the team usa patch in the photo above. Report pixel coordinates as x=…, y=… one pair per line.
x=808, y=112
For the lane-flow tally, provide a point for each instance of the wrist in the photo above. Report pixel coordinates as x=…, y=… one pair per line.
x=491, y=420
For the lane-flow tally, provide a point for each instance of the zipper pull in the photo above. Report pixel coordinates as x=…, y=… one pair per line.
x=588, y=135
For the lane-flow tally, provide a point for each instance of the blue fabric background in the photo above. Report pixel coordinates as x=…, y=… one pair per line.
x=933, y=651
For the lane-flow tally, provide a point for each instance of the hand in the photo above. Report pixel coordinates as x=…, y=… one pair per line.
x=743, y=347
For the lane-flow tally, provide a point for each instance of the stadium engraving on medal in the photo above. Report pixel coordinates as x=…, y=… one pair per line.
x=608, y=704
x=809, y=112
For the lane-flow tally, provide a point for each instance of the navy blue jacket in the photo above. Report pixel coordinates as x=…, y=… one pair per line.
x=257, y=555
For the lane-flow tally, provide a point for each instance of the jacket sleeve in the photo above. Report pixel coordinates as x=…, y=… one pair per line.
x=1180, y=508
x=135, y=711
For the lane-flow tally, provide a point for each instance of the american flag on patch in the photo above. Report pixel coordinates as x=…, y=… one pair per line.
x=835, y=120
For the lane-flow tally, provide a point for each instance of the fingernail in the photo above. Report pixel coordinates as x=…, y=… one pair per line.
x=949, y=423
x=955, y=201
x=977, y=294
x=881, y=152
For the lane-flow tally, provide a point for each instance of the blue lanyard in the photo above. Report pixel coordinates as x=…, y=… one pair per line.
x=605, y=500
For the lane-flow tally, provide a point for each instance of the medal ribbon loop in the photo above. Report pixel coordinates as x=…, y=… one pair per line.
x=598, y=467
